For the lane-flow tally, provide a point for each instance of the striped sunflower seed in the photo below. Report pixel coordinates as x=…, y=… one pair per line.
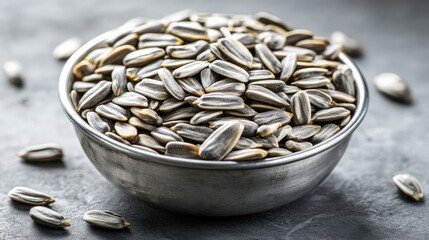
x=273, y=85
x=140, y=124
x=229, y=70
x=147, y=115
x=205, y=116
x=165, y=135
x=119, y=80
x=182, y=149
x=30, y=196
x=345, y=121
x=188, y=30
x=270, y=19
x=304, y=132
x=409, y=185
x=95, y=95
x=48, y=217
x=130, y=39
x=218, y=145
x=309, y=72
x=181, y=114
x=66, y=49
x=190, y=69
x=244, y=112
x=288, y=66
x=268, y=58
x=93, y=78
x=147, y=71
x=82, y=87
x=151, y=88
x=98, y=123
x=344, y=81
x=112, y=112
x=219, y=101
x=131, y=99
x=331, y=114
x=301, y=108
x=105, y=70
x=325, y=132
x=150, y=142
x=195, y=133
x=316, y=45
x=170, y=104
x=250, y=128
x=42, y=153
x=246, y=143
x=181, y=51
x=296, y=35
x=227, y=86
x=207, y=78
x=214, y=48
x=143, y=56
x=146, y=149
x=266, y=130
x=105, y=219
x=206, y=55
x=273, y=40
x=338, y=96
x=236, y=51
x=117, y=138
x=282, y=132
x=171, y=84
x=257, y=75
x=278, y=152
x=117, y=55
x=149, y=40
x=265, y=95
x=154, y=26
x=176, y=63
x=394, y=87
x=246, y=155
x=319, y=99
x=295, y=146
x=125, y=130
x=312, y=82
x=191, y=86
x=269, y=142
x=273, y=116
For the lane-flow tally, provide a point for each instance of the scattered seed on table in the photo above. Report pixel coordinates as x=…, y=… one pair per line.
x=48, y=217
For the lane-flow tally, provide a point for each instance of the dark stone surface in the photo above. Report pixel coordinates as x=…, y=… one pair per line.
x=357, y=201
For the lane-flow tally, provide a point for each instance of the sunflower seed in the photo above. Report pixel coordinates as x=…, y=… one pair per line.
x=144, y=148
x=82, y=87
x=143, y=56
x=229, y=70
x=170, y=84
x=131, y=99
x=147, y=115
x=150, y=142
x=207, y=55
x=236, y=51
x=205, y=116
x=117, y=34
x=344, y=81
x=270, y=19
x=48, y=217
x=273, y=85
x=304, y=132
x=117, y=55
x=345, y=121
x=288, y=65
x=214, y=48
x=176, y=63
x=14, y=73
x=154, y=104
x=301, y=108
x=409, y=185
x=190, y=69
x=190, y=31
x=296, y=35
x=325, y=132
x=290, y=90
x=311, y=82
x=195, y=133
x=130, y=39
x=303, y=54
x=191, y=86
x=350, y=46
x=119, y=80
x=105, y=70
x=93, y=78
x=149, y=40
x=394, y=87
x=268, y=59
x=313, y=44
x=246, y=155
x=274, y=41
x=74, y=97
x=222, y=141
x=125, y=130
x=97, y=54
x=105, y=219
x=83, y=69
x=349, y=106
x=98, y=123
x=138, y=123
x=249, y=130
x=165, y=135
x=227, y=86
x=150, y=27
x=266, y=130
x=257, y=75
x=42, y=153
x=118, y=138
x=295, y=146
x=247, y=143
x=278, y=152
x=181, y=114
x=332, y=51
x=95, y=95
x=171, y=104
x=282, y=132
x=331, y=114
x=338, y=96
x=30, y=196
x=207, y=78
x=149, y=70
x=265, y=95
x=182, y=149
x=182, y=51
x=245, y=112
x=170, y=124
x=219, y=101
x=319, y=99
x=112, y=111
x=273, y=116
x=269, y=142
x=66, y=49
x=309, y=72
x=151, y=88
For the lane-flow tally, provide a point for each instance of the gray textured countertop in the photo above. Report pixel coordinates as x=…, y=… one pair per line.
x=357, y=201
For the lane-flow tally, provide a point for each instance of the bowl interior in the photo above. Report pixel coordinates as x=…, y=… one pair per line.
x=65, y=85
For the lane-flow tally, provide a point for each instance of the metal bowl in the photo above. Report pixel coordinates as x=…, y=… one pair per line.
x=209, y=188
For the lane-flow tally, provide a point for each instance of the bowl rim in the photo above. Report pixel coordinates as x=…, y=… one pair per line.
x=362, y=101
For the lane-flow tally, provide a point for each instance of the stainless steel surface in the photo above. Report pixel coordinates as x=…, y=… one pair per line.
x=210, y=188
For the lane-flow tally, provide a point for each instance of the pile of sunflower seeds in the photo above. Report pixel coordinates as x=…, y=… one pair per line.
x=215, y=87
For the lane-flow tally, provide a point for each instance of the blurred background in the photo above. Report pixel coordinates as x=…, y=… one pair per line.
x=357, y=201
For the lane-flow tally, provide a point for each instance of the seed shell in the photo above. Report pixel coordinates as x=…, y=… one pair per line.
x=48, y=217
x=30, y=196
x=105, y=219
x=42, y=153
